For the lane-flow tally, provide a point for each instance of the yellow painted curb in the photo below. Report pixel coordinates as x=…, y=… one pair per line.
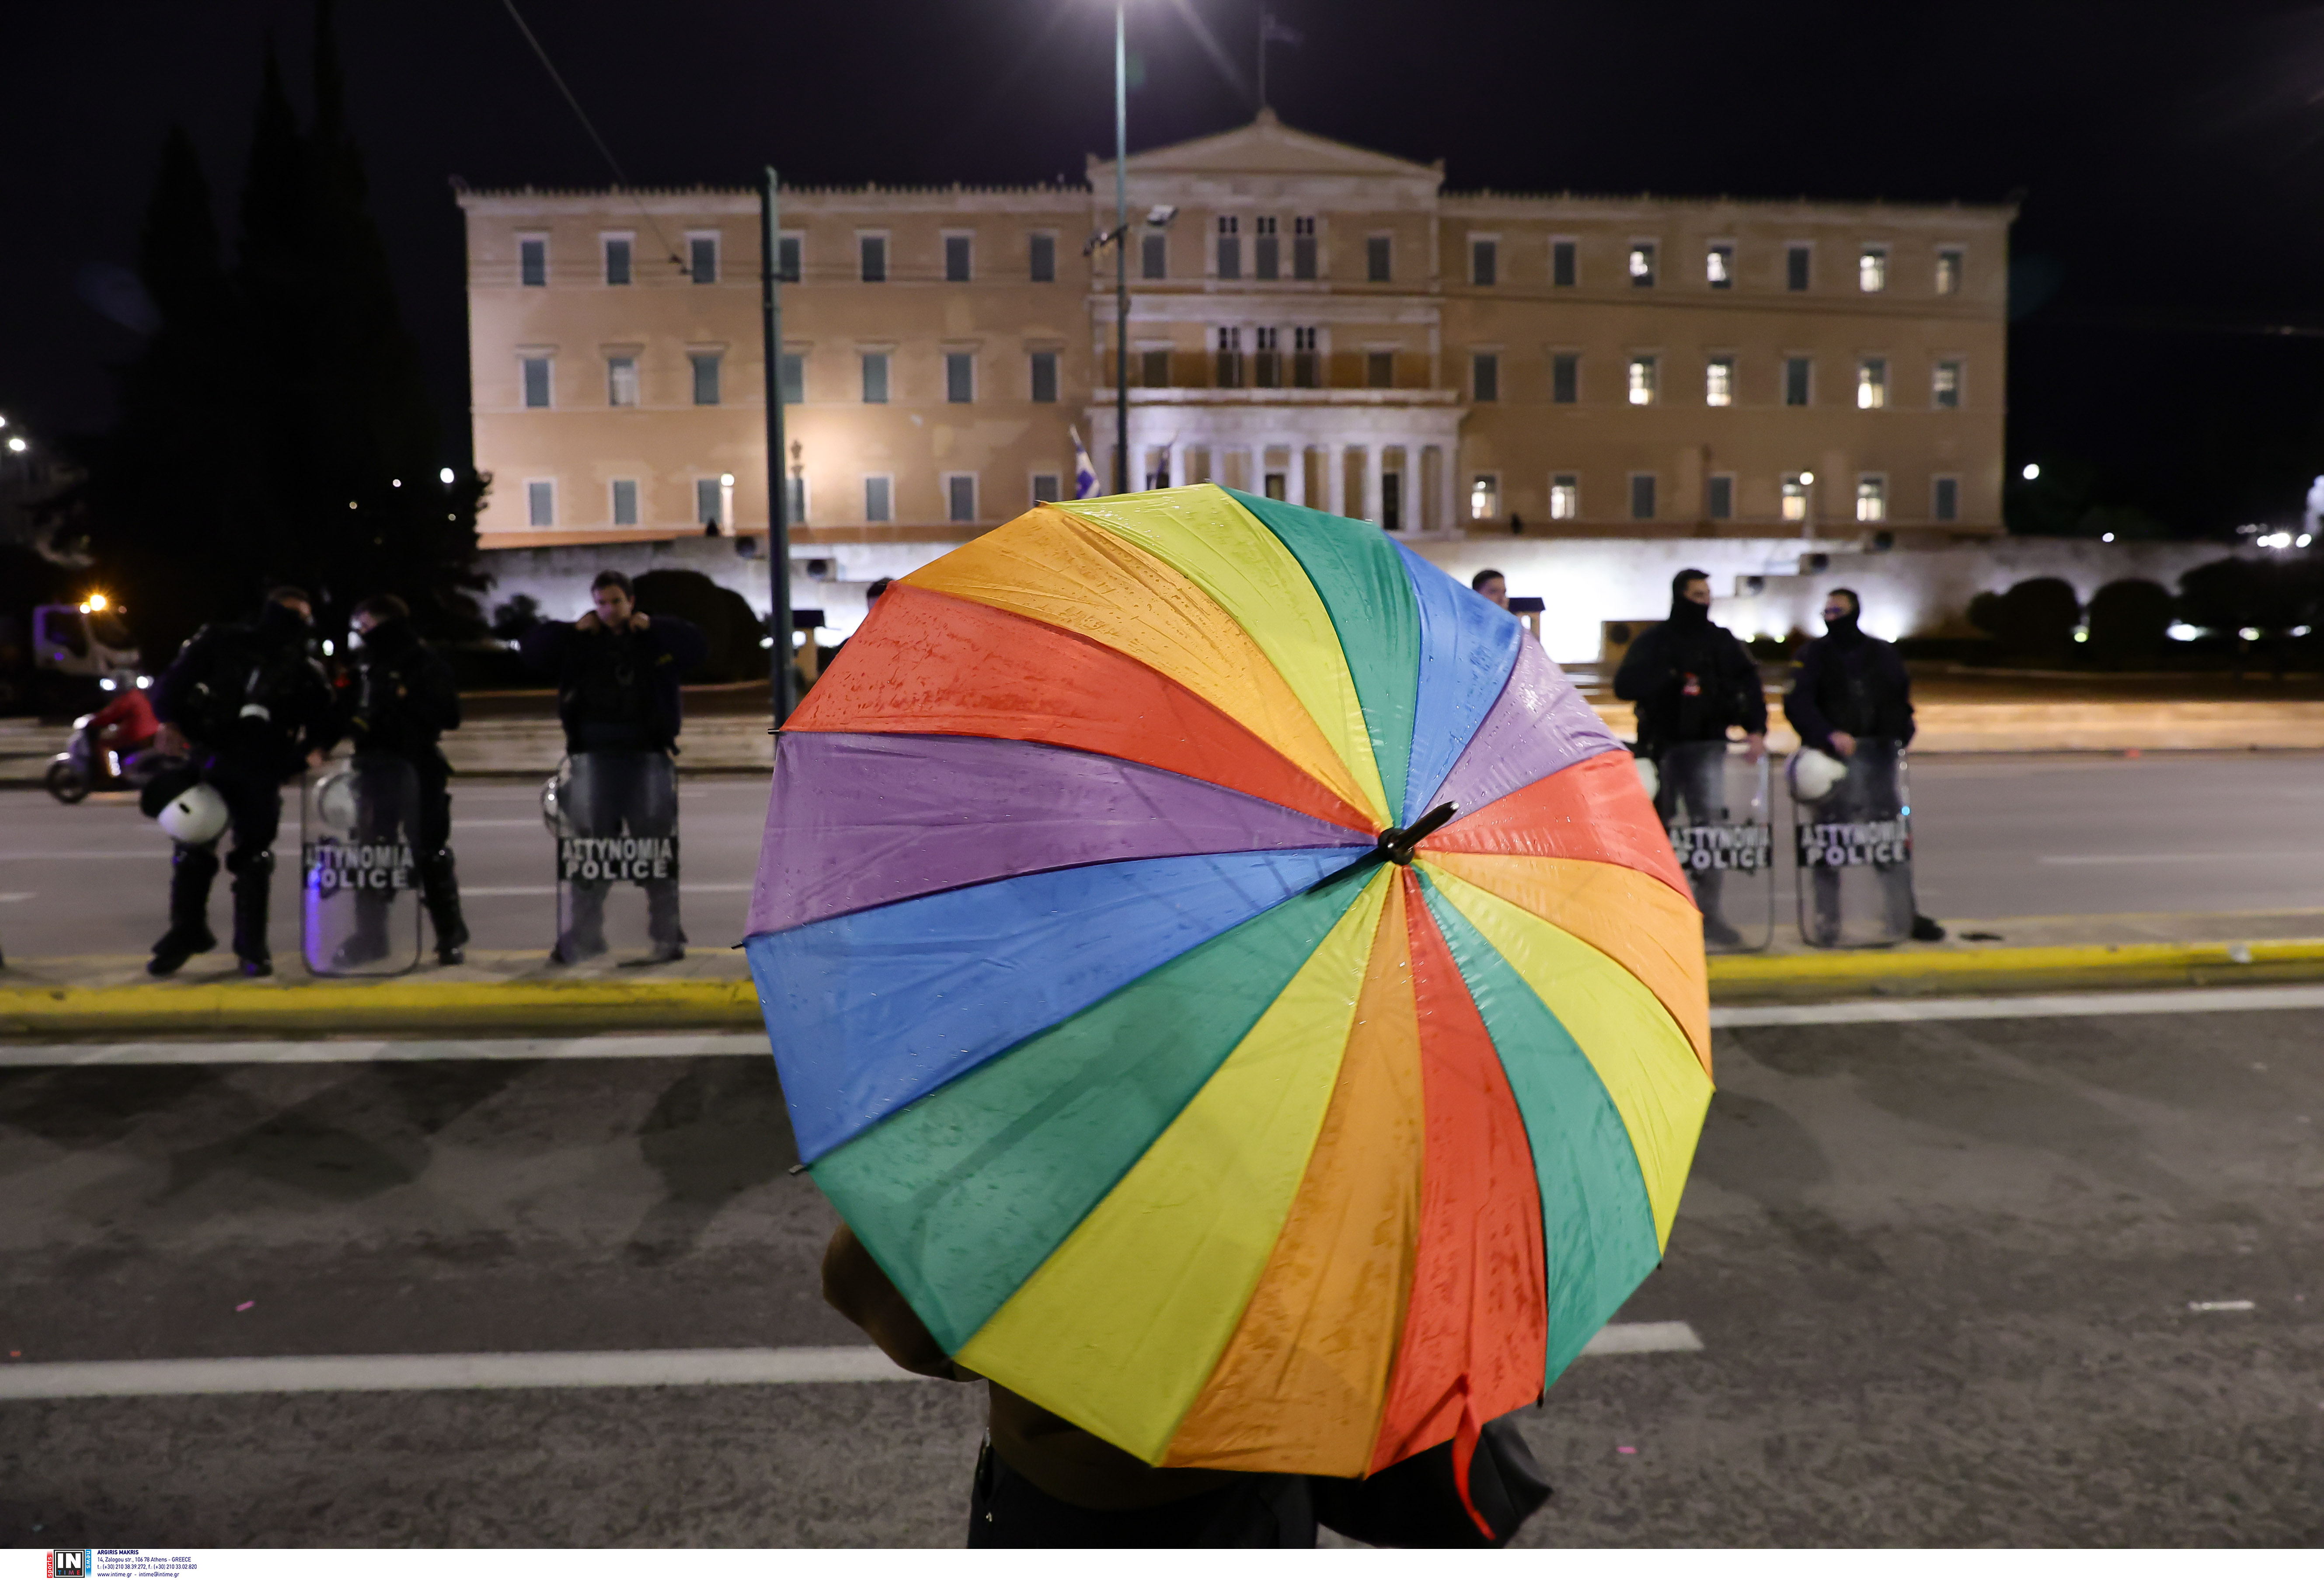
x=1922, y=972
x=211, y=1006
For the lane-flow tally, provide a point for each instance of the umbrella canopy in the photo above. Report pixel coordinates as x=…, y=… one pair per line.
x=1117, y=1017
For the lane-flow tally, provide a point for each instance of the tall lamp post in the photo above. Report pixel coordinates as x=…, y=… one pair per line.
x=783, y=688
x=1121, y=247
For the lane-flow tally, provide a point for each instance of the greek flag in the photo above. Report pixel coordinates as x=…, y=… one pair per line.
x=1084, y=469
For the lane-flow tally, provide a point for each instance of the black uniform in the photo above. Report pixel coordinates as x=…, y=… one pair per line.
x=617, y=696
x=1855, y=683
x=253, y=703
x=1691, y=681
x=397, y=700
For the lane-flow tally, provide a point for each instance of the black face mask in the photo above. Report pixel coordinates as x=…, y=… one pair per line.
x=1843, y=630
x=1686, y=611
x=280, y=625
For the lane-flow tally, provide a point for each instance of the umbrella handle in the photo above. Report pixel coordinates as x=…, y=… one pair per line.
x=1397, y=844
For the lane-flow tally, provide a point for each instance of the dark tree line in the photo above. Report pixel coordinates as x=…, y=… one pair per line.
x=275, y=428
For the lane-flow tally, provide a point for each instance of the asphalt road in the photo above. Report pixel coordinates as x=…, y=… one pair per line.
x=1947, y=1277
x=1995, y=837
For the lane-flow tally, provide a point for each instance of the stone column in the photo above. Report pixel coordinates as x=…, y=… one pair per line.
x=1294, y=480
x=1375, y=463
x=1178, y=461
x=1448, y=484
x=1335, y=477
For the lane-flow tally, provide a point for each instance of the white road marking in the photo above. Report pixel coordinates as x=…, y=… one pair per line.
x=502, y=891
x=15, y=895
x=2033, y=1007
x=2220, y=1306
x=2147, y=857
x=499, y=823
x=365, y=1051
x=697, y=1368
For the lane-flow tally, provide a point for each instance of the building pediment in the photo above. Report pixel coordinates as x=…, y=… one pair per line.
x=1268, y=147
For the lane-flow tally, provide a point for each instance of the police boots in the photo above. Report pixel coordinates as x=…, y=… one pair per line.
x=254, y=878
x=440, y=885
x=191, y=868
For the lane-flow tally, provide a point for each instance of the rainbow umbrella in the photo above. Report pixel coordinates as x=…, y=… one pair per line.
x=1117, y=1017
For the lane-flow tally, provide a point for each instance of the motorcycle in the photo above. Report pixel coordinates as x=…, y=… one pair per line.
x=84, y=765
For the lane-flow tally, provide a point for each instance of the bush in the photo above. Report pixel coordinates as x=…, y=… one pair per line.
x=2037, y=621
x=2227, y=596
x=519, y=615
x=2128, y=621
x=1985, y=613
x=725, y=617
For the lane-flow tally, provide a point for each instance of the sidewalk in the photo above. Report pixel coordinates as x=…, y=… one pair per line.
x=108, y=996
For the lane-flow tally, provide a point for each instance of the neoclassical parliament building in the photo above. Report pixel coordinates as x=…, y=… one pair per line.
x=1307, y=320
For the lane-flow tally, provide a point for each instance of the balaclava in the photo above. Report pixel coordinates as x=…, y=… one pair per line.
x=1685, y=612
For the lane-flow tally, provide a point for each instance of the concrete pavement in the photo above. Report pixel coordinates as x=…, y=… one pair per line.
x=2049, y=1280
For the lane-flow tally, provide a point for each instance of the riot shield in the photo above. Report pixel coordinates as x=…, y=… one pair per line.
x=1715, y=807
x=614, y=815
x=359, y=875
x=1855, y=850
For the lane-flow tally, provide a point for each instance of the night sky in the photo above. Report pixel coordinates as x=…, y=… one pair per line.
x=2169, y=347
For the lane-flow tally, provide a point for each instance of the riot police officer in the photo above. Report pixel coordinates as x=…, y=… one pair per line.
x=617, y=672
x=249, y=703
x=1691, y=680
x=397, y=699
x=1852, y=691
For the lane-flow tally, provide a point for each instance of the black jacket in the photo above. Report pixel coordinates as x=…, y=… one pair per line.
x=398, y=696
x=617, y=691
x=1851, y=681
x=1691, y=680
x=249, y=693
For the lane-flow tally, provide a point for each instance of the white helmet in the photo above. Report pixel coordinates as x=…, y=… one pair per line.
x=195, y=816
x=334, y=801
x=1814, y=774
x=1649, y=775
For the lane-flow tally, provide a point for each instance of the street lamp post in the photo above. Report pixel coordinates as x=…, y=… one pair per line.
x=1120, y=248
x=779, y=527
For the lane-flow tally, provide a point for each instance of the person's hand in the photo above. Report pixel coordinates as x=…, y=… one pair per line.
x=640, y=621
x=1843, y=743
x=589, y=622
x=172, y=742
x=1754, y=747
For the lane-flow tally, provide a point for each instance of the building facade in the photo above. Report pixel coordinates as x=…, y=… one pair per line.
x=1307, y=320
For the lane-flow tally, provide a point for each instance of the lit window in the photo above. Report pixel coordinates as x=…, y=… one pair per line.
x=1796, y=259
x=1945, y=385
x=625, y=502
x=1718, y=382
x=1945, y=499
x=533, y=260
x=1265, y=249
x=1949, y=271
x=1872, y=499
x=622, y=381
x=1872, y=384
x=1719, y=267
x=1642, y=263
x=1230, y=247
x=1718, y=498
x=1484, y=261
x=1565, y=497
x=872, y=259
x=879, y=499
x=1485, y=375
x=702, y=259
x=705, y=376
x=1484, y=498
x=1045, y=377
x=875, y=378
x=1872, y=269
x=540, y=504
x=960, y=498
x=957, y=252
x=1642, y=381
x=1795, y=496
x=617, y=260
x=536, y=382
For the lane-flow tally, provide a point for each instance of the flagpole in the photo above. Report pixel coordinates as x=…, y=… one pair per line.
x=1262, y=57
x=1121, y=248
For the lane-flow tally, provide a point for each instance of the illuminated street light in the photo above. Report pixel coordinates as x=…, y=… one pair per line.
x=2032, y=471
x=725, y=480
x=1808, y=478
x=445, y=477
x=16, y=444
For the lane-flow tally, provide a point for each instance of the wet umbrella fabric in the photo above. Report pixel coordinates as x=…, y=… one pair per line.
x=1170, y=1101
